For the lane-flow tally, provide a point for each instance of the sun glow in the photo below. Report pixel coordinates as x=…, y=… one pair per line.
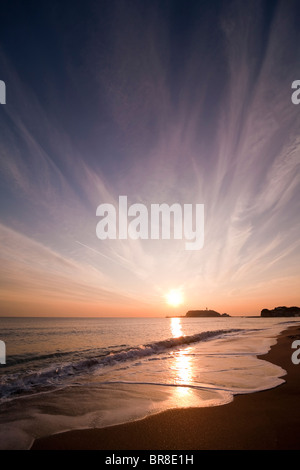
x=174, y=297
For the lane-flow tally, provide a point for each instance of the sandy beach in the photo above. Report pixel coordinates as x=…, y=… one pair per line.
x=264, y=420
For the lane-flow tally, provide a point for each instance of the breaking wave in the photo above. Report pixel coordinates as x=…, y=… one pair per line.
x=56, y=375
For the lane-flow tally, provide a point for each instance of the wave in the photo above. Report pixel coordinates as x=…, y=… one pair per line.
x=25, y=382
x=161, y=346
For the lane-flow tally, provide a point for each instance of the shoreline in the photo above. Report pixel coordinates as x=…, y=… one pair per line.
x=264, y=420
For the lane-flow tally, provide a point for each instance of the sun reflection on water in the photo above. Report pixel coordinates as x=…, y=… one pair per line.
x=176, y=328
x=181, y=369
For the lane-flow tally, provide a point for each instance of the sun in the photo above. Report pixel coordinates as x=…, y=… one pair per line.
x=174, y=298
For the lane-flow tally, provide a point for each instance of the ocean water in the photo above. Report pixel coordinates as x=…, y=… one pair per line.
x=72, y=373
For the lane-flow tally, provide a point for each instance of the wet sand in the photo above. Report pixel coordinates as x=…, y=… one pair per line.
x=263, y=420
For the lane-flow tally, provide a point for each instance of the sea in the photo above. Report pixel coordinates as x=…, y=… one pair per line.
x=77, y=373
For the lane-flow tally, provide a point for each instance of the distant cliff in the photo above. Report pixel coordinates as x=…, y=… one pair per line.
x=205, y=313
x=281, y=312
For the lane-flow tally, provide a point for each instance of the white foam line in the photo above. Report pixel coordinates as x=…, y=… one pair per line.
x=205, y=387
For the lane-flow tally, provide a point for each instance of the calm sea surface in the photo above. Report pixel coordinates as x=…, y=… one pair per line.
x=72, y=373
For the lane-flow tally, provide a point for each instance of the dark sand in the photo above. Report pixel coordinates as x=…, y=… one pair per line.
x=263, y=420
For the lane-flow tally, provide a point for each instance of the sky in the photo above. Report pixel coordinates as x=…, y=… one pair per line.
x=185, y=102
